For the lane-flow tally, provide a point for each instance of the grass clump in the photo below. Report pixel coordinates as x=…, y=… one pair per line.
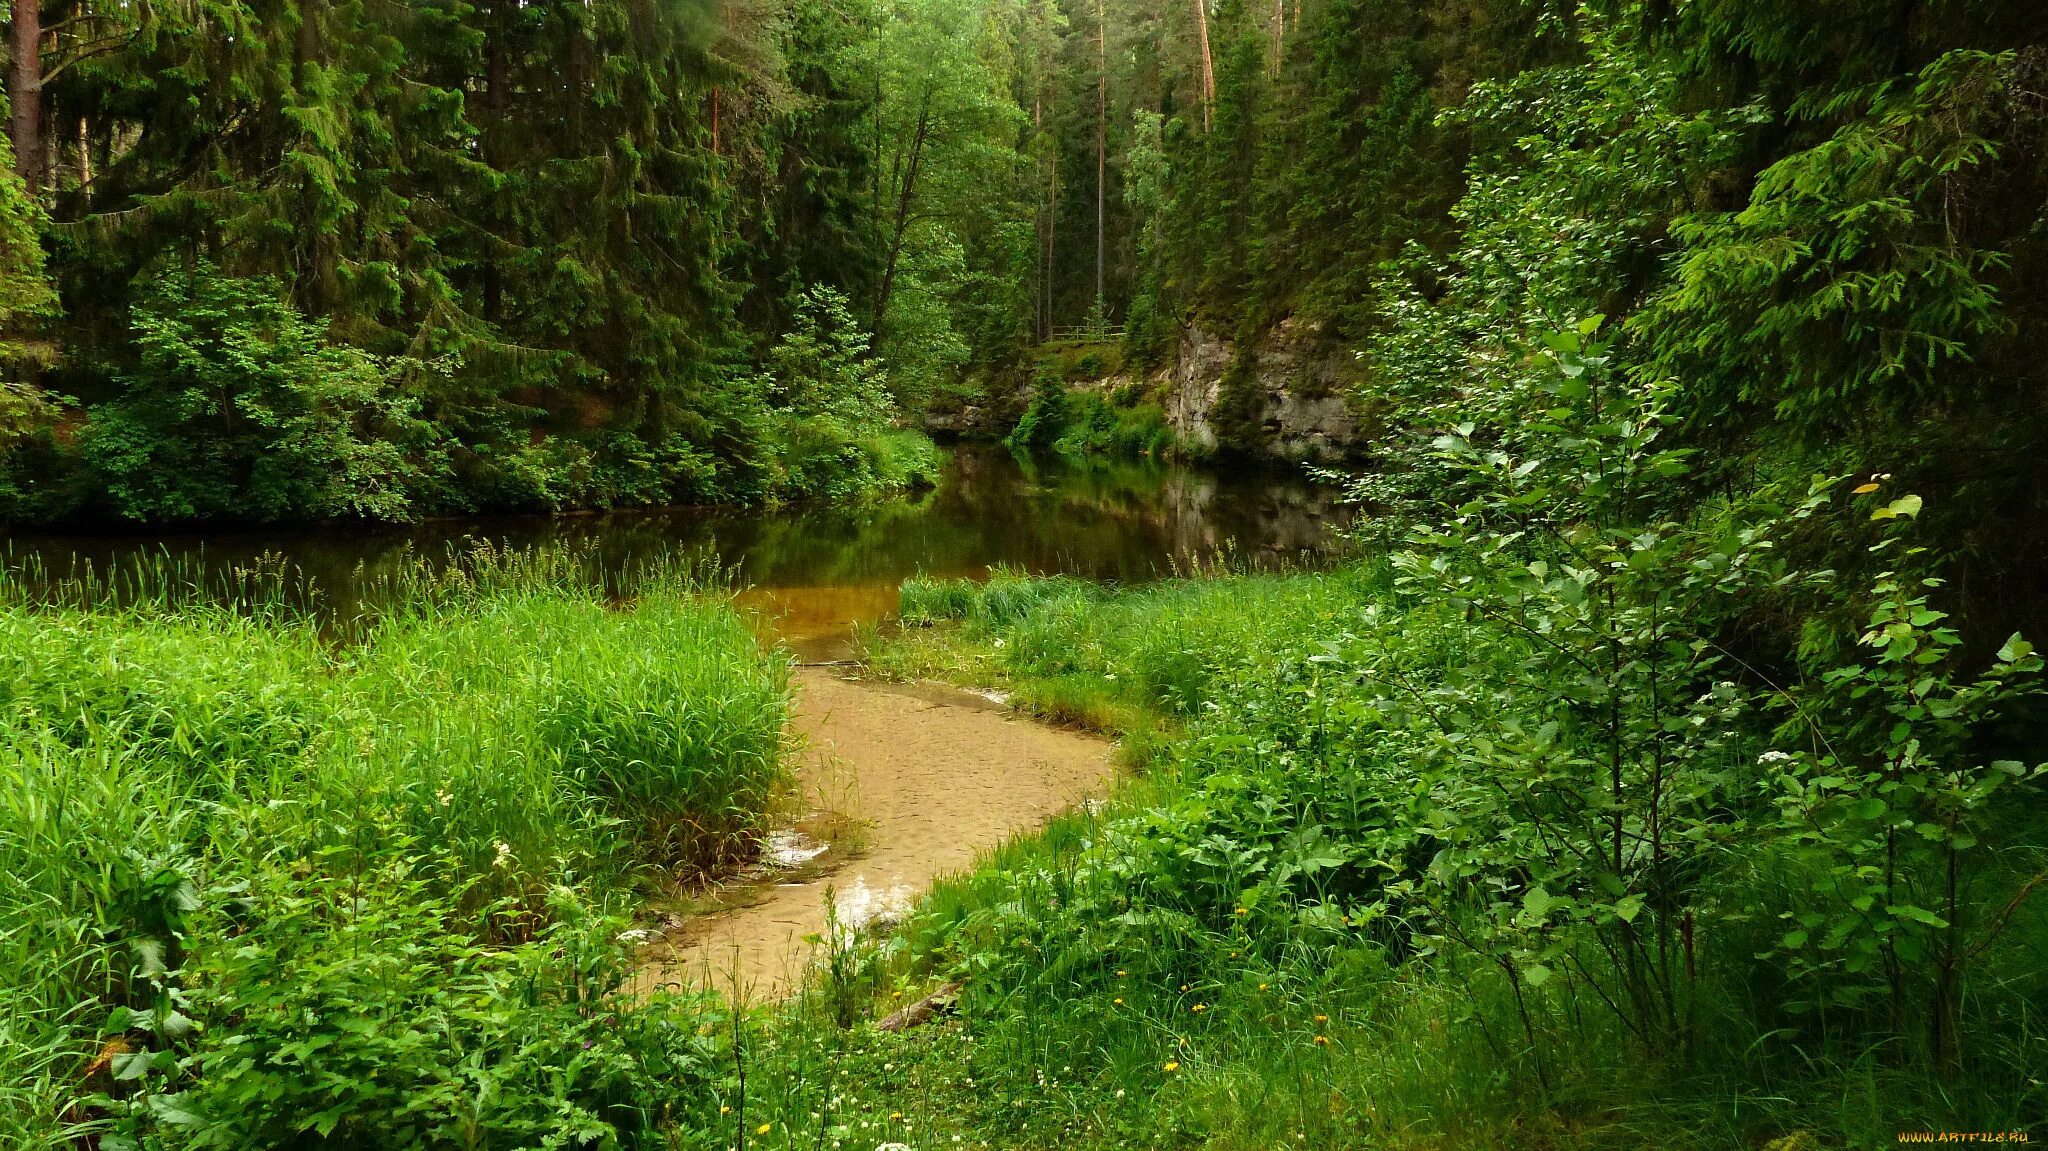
x=565, y=728
x=1075, y=650
x=276, y=879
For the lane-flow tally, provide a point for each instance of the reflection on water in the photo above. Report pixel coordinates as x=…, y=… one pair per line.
x=818, y=569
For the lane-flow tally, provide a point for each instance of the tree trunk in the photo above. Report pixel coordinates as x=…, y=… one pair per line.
x=1052, y=223
x=1208, y=65
x=1101, y=148
x=25, y=91
x=904, y=196
x=1279, y=31
x=1038, y=316
x=496, y=98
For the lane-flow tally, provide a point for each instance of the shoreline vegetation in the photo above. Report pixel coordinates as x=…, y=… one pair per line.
x=273, y=877
x=1314, y=918
x=374, y=884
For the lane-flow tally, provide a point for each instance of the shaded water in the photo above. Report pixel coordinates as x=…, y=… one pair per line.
x=818, y=570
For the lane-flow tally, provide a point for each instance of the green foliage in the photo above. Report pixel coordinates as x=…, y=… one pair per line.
x=833, y=413
x=499, y=257
x=1045, y=417
x=1843, y=272
x=238, y=405
x=262, y=878
x=1084, y=421
x=25, y=292
x=820, y=369
x=1540, y=762
x=945, y=131
x=350, y=1012
x=1121, y=424
x=1886, y=821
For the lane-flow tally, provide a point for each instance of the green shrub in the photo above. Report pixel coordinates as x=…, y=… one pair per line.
x=1082, y=422
x=1045, y=417
x=1125, y=424
x=351, y=1011
x=238, y=405
x=832, y=433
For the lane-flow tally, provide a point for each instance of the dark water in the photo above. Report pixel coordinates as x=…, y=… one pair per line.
x=817, y=570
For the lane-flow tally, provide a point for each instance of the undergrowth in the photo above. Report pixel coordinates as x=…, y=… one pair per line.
x=1568, y=821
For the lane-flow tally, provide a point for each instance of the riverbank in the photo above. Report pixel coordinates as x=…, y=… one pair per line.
x=820, y=566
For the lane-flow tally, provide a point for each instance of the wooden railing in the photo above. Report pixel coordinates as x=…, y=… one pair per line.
x=1084, y=332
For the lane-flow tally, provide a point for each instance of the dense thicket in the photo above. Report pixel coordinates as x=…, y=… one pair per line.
x=1821, y=224
x=427, y=257
x=547, y=252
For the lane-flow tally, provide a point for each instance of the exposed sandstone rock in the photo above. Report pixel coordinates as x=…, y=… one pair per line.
x=1301, y=407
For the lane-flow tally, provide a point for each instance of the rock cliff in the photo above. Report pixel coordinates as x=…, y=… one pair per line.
x=1289, y=395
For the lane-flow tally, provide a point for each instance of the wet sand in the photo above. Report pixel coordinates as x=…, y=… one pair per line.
x=932, y=775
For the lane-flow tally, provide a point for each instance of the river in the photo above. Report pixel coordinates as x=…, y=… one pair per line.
x=817, y=571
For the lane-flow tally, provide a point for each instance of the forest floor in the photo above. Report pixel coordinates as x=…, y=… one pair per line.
x=903, y=783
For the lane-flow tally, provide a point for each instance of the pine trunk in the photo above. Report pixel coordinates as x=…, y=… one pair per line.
x=1101, y=148
x=25, y=92
x=1052, y=221
x=1279, y=32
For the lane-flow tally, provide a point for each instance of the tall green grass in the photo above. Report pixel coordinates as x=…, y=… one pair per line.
x=1078, y=652
x=186, y=759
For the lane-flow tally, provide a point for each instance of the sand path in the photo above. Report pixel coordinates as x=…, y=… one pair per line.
x=932, y=776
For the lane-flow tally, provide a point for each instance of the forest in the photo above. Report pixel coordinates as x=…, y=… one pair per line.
x=1642, y=747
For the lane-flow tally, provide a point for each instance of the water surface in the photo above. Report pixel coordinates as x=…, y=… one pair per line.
x=817, y=570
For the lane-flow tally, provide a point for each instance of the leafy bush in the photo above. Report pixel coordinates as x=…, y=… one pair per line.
x=237, y=405
x=353, y=1010
x=1096, y=426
